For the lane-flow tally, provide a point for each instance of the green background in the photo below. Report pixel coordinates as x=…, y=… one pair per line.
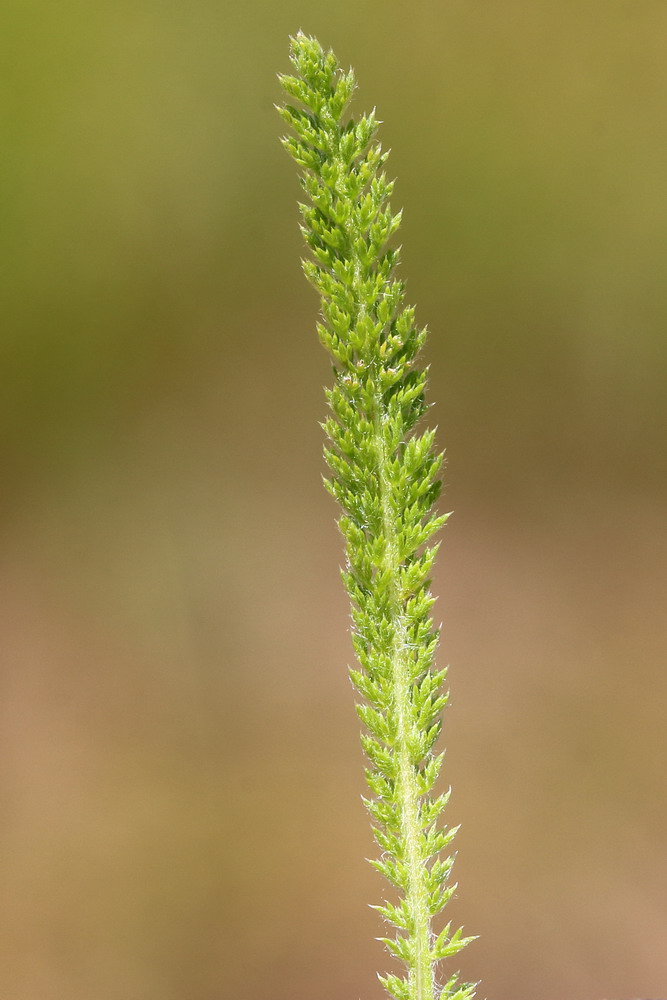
x=181, y=772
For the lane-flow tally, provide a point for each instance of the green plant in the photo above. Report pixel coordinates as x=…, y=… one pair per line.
x=385, y=475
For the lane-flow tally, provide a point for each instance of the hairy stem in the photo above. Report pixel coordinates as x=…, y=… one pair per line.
x=421, y=975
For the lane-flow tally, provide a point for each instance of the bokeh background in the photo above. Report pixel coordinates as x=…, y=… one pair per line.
x=181, y=773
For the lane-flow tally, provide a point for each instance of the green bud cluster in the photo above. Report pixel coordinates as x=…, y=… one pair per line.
x=385, y=476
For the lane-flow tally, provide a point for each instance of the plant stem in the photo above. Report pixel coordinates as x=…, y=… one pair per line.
x=385, y=475
x=421, y=975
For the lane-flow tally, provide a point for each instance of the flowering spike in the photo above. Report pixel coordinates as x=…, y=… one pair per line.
x=385, y=476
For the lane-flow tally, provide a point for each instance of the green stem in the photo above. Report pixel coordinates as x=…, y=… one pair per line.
x=387, y=492
x=374, y=343
x=421, y=976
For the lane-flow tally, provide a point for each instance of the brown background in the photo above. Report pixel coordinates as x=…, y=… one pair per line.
x=180, y=763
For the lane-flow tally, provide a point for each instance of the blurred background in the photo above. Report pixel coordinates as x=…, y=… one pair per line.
x=181, y=774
